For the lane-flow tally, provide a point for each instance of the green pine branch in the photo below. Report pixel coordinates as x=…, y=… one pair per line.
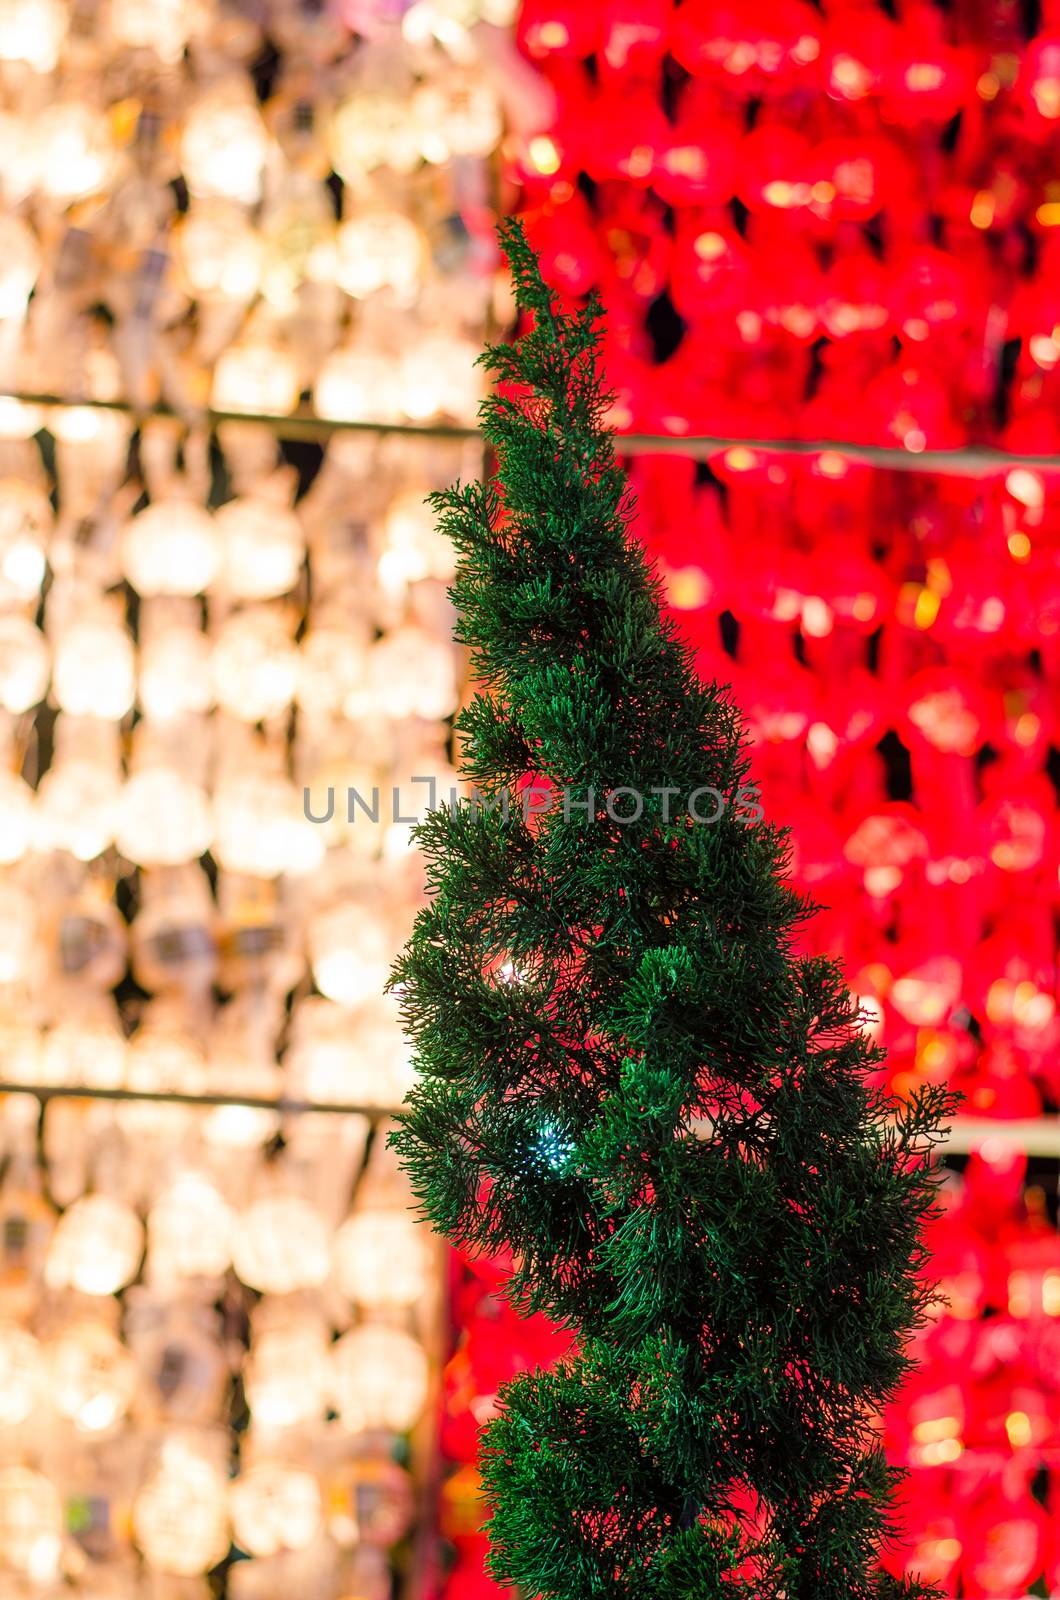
x=629, y=1080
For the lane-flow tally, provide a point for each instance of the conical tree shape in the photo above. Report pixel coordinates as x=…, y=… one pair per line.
x=630, y=1081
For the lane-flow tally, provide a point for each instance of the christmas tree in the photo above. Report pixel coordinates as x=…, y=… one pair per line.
x=628, y=1078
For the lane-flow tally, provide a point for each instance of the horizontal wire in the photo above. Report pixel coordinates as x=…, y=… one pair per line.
x=966, y=461
x=1034, y=1136
x=283, y=1107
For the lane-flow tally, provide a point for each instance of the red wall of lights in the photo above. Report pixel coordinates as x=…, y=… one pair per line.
x=844, y=224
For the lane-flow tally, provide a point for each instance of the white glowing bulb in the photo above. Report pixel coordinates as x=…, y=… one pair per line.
x=379, y=250
x=96, y=1247
x=287, y=1376
x=275, y=1507
x=349, y=952
x=281, y=1245
x=262, y=545
x=24, y=664
x=22, y=1383
x=75, y=157
x=32, y=31
x=220, y=253
x=381, y=1258
x=31, y=1524
x=163, y=819
x=256, y=378
x=17, y=822
x=255, y=665
x=380, y=1379
x=95, y=668
x=19, y=265
x=158, y=25
x=92, y=1376
x=180, y=1515
x=223, y=147
x=373, y=129
x=358, y=386
x=171, y=547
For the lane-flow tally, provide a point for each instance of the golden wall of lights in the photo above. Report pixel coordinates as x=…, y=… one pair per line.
x=218, y=1324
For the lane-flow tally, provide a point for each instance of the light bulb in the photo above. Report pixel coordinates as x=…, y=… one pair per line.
x=19, y=265
x=373, y=128
x=259, y=828
x=171, y=547
x=180, y=1515
x=32, y=31
x=189, y=1231
x=380, y=250
x=158, y=25
x=356, y=385
x=255, y=665
x=22, y=1383
x=415, y=548
x=18, y=934
x=223, y=147
x=255, y=378
x=350, y=952
x=17, y=818
x=94, y=672
x=219, y=252
x=456, y=114
x=287, y=1376
x=281, y=1245
x=164, y=817
x=262, y=548
x=87, y=1047
x=91, y=1376
x=75, y=157
x=96, y=1247
x=439, y=378
x=379, y=1377
x=381, y=1258
x=24, y=663
x=412, y=673
x=175, y=673
x=31, y=1524
x=275, y=1507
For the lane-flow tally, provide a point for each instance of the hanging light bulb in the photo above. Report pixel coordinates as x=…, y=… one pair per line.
x=262, y=548
x=157, y=25
x=171, y=547
x=381, y=1258
x=18, y=935
x=456, y=114
x=189, y=1231
x=415, y=548
x=380, y=250
x=17, y=817
x=276, y=1507
x=358, y=385
x=349, y=952
x=96, y=1247
x=180, y=1515
x=412, y=673
x=255, y=377
x=79, y=795
x=94, y=673
x=281, y=1245
x=24, y=663
x=287, y=1376
x=175, y=678
x=75, y=157
x=19, y=265
x=32, y=31
x=164, y=817
x=91, y=1376
x=373, y=129
x=31, y=1524
x=439, y=377
x=255, y=664
x=87, y=1046
x=219, y=253
x=223, y=146
x=25, y=527
x=379, y=1376
x=22, y=1377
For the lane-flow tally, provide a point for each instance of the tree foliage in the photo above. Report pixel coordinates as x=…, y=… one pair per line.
x=628, y=1078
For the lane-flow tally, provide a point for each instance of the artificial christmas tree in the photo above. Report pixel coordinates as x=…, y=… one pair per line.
x=630, y=1081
